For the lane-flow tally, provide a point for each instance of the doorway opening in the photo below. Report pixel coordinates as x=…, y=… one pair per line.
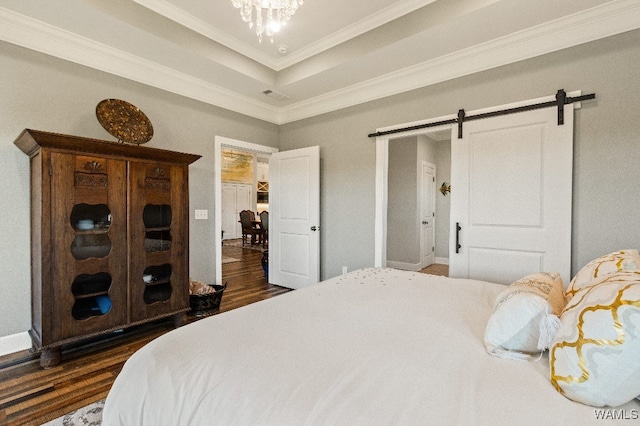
x=235, y=253
x=417, y=213
x=245, y=204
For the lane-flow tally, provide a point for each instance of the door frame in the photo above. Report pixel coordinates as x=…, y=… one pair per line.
x=219, y=142
x=382, y=164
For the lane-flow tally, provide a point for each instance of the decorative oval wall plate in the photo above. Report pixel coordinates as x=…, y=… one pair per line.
x=124, y=121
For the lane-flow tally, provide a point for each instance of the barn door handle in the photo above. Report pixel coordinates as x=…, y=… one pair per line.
x=458, y=229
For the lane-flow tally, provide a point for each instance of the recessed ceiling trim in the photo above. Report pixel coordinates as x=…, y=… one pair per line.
x=593, y=24
x=384, y=16
x=381, y=17
x=42, y=37
x=187, y=20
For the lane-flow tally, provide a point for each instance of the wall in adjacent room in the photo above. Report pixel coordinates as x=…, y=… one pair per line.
x=443, y=202
x=402, y=211
x=403, y=207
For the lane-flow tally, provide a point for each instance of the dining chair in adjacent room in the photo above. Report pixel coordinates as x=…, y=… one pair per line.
x=247, y=220
x=264, y=223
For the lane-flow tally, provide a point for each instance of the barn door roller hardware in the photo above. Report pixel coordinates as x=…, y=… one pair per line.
x=561, y=100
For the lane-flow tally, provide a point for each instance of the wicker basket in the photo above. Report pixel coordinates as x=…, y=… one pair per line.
x=204, y=304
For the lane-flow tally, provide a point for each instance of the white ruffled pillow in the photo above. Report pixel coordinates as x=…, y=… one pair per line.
x=595, y=356
x=525, y=316
x=623, y=260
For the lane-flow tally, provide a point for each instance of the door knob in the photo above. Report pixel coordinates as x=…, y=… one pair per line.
x=424, y=222
x=315, y=228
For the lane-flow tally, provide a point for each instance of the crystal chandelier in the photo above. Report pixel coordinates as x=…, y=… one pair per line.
x=278, y=12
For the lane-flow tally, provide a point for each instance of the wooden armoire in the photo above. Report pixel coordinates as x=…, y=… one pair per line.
x=109, y=237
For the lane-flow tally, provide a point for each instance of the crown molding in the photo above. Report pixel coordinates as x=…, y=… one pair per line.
x=42, y=37
x=612, y=18
x=173, y=13
x=384, y=16
x=599, y=22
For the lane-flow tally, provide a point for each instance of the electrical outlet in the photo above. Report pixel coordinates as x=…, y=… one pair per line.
x=344, y=270
x=202, y=214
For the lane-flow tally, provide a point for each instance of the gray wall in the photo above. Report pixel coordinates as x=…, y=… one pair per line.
x=607, y=153
x=43, y=93
x=443, y=203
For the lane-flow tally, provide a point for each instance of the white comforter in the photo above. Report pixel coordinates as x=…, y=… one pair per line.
x=373, y=347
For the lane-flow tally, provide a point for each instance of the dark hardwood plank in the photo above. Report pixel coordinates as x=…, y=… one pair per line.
x=30, y=395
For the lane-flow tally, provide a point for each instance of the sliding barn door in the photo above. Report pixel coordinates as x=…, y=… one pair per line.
x=511, y=186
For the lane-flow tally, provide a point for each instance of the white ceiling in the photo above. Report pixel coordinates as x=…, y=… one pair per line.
x=340, y=53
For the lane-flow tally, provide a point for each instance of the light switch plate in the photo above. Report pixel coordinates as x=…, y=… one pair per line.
x=202, y=214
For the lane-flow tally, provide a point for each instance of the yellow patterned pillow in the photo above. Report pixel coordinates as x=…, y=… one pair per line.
x=595, y=356
x=525, y=316
x=622, y=260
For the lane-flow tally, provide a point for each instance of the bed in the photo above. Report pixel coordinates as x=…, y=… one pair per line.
x=376, y=346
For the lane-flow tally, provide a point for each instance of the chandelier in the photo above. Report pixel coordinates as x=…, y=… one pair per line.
x=278, y=12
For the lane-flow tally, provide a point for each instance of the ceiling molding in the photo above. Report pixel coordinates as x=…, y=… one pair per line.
x=609, y=19
x=42, y=37
x=380, y=18
x=593, y=24
x=187, y=20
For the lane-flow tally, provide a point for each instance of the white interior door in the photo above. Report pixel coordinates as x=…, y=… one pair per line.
x=244, y=201
x=229, y=212
x=511, y=186
x=294, y=217
x=427, y=214
x=235, y=198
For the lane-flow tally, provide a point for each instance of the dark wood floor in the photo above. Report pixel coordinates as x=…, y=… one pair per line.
x=30, y=395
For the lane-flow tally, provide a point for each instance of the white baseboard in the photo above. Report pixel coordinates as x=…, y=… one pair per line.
x=442, y=260
x=14, y=343
x=404, y=266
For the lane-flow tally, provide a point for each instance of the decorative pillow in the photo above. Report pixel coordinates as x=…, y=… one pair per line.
x=595, y=356
x=525, y=316
x=622, y=260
